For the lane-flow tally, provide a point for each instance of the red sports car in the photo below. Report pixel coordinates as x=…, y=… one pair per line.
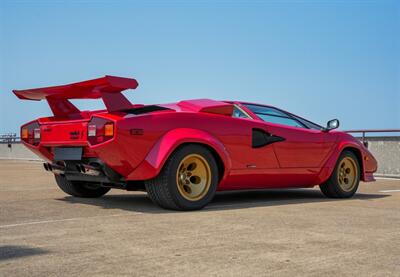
x=182, y=153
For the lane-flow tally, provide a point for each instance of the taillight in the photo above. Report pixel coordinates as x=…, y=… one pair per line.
x=36, y=133
x=100, y=130
x=24, y=133
x=109, y=129
x=91, y=130
x=30, y=133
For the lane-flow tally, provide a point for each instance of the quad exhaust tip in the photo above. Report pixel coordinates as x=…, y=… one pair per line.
x=81, y=168
x=88, y=169
x=55, y=168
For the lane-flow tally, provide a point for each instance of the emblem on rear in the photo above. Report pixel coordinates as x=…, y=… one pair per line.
x=74, y=135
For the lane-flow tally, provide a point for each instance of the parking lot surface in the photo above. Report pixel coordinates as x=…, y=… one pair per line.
x=44, y=232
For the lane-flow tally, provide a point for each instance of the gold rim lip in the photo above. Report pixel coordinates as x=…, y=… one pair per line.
x=205, y=186
x=352, y=174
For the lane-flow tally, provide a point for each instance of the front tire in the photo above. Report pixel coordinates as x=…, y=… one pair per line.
x=188, y=180
x=80, y=189
x=345, y=178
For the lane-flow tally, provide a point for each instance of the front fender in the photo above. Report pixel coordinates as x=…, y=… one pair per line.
x=168, y=143
x=368, y=164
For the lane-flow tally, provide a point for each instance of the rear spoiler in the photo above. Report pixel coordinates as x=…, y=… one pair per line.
x=108, y=88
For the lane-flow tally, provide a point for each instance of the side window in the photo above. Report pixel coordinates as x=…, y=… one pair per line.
x=237, y=113
x=269, y=114
x=280, y=120
x=309, y=124
x=265, y=110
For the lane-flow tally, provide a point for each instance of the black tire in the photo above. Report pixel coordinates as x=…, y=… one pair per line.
x=163, y=190
x=333, y=188
x=80, y=189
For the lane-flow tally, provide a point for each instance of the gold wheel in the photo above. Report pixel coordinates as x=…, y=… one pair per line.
x=347, y=174
x=193, y=177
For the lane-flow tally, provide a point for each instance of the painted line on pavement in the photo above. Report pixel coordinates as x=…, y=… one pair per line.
x=388, y=178
x=62, y=220
x=390, y=190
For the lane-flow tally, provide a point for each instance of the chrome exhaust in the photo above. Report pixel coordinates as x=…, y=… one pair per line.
x=88, y=170
x=54, y=168
x=81, y=168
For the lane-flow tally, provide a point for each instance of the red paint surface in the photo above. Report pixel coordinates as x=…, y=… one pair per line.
x=142, y=143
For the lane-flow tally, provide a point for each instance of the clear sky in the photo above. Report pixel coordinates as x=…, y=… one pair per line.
x=318, y=59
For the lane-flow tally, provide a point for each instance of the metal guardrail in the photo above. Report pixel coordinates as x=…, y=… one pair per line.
x=9, y=138
x=12, y=137
x=363, y=132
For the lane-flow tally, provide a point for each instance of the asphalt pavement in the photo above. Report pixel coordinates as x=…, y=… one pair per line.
x=44, y=232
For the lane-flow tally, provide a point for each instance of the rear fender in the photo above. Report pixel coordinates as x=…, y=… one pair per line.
x=168, y=143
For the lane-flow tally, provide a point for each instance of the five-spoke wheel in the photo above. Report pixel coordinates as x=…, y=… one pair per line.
x=345, y=178
x=347, y=174
x=188, y=180
x=193, y=177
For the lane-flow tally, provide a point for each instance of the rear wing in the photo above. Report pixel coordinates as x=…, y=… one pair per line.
x=108, y=88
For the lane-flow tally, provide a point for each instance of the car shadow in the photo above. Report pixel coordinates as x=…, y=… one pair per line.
x=16, y=251
x=230, y=200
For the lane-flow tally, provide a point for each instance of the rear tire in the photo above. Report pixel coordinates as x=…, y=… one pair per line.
x=345, y=178
x=188, y=180
x=80, y=189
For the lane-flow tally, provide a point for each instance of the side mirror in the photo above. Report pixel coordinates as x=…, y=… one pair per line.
x=332, y=124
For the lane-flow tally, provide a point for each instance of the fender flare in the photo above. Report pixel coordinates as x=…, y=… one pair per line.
x=169, y=142
x=341, y=146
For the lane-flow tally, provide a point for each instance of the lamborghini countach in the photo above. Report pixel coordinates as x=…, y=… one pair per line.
x=182, y=153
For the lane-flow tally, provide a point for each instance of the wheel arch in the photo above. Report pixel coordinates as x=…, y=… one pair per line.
x=214, y=153
x=172, y=141
x=332, y=161
x=359, y=156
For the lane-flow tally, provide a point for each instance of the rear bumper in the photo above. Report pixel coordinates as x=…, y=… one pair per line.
x=112, y=154
x=87, y=170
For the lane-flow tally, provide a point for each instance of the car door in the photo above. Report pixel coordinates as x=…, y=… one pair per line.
x=301, y=148
x=295, y=145
x=240, y=144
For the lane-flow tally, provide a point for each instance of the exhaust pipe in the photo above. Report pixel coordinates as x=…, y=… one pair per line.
x=88, y=170
x=54, y=168
x=81, y=168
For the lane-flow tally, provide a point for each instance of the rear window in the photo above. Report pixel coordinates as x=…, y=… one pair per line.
x=146, y=109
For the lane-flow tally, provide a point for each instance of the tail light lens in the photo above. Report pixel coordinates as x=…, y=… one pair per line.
x=36, y=133
x=91, y=130
x=100, y=130
x=109, y=130
x=30, y=133
x=24, y=133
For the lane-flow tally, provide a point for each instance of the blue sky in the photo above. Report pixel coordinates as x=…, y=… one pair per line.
x=318, y=59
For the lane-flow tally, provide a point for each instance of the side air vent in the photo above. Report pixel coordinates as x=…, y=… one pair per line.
x=262, y=138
